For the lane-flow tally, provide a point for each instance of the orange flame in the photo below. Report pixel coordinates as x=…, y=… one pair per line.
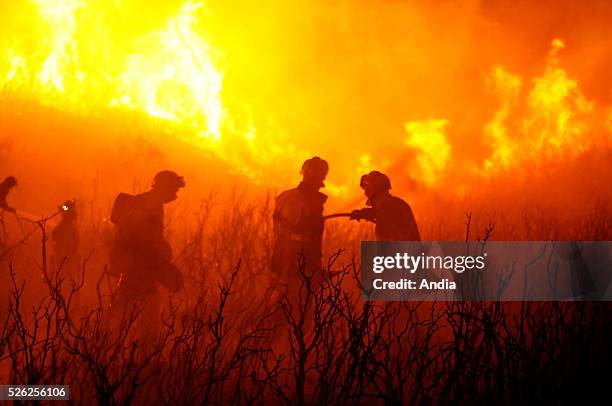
x=77, y=58
x=433, y=150
x=552, y=121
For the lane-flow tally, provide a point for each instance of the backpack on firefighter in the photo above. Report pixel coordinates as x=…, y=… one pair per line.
x=127, y=257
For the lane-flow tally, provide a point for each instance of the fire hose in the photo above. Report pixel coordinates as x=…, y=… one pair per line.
x=336, y=215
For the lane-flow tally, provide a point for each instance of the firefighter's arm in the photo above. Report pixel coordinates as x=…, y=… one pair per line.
x=4, y=205
x=367, y=214
x=286, y=216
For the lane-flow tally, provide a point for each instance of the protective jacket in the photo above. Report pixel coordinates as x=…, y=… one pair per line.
x=393, y=217
x=298, y=230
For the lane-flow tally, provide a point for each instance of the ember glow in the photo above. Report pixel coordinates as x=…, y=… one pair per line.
x=262, y=93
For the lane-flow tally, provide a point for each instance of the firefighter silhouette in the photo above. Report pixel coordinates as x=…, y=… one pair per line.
x=589, y=268
x=393, y=216
x=140, y=255
x=298, y=224
x=65, y=238
x=5, y=187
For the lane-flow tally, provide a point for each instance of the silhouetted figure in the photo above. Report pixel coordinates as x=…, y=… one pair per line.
x=140, y=254
x=393, y=216
x=65, y=237
x=583, y=285
x=298, y=224
x=589, y=266
x=5, y=187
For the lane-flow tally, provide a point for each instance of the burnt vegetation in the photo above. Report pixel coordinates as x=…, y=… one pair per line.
x=236, y=334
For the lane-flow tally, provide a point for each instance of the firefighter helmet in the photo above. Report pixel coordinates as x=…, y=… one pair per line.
x=168, y=179
x=315, y=165
x=376, y=181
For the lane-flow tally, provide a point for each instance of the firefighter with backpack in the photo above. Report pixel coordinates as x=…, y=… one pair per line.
x=140, y=255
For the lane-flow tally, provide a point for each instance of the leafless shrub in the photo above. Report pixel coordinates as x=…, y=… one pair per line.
x=234, y=336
